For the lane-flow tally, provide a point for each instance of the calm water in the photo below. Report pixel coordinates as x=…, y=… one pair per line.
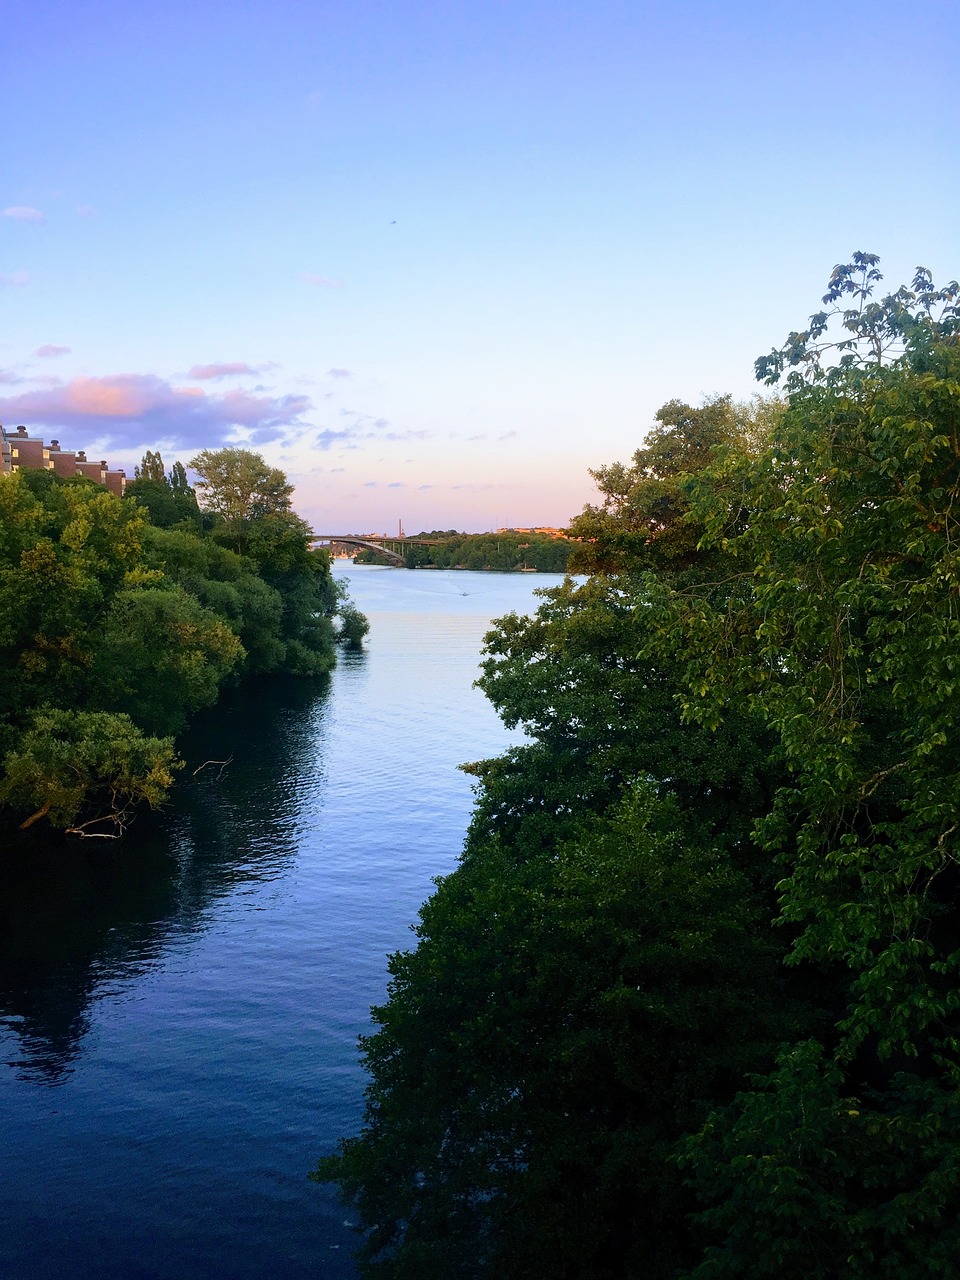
x=179, y=1014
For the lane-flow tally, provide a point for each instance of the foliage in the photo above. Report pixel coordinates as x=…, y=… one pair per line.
x=238, y=486
x=843, y=635
x=169, y=499
x=162, y=656
x=906, y=321
x=644, y=520
x=69, y=762
x=536, y=1057
x=764, y=665
x=353, y=626
x=135, y=611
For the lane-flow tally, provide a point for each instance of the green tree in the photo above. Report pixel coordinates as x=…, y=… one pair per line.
x=169, y=499
x=540, y=1048
x=238, y=486
x=766, y=652
x=161, y=657
x=545, y=960
x=70, y=765
x=841, y=635
x=151, y=468
x=133, y=610
x=644, y=520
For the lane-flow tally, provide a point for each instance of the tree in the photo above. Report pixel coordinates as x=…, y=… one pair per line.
x=766, y=658
x=530, y=1024
x=151, y=468
x=161, y=657
x=73, y=763
x=110, y=612
x=644, y=521
x=238, y=486
x=540, y=1048
x=169, y=499
x=842, y=637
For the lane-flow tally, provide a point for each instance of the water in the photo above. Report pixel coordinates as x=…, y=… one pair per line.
x=179, y=1014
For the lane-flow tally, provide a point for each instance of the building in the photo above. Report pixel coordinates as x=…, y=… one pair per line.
x=19, y=449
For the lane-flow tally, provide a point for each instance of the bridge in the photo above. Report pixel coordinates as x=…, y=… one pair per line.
x=393, y=548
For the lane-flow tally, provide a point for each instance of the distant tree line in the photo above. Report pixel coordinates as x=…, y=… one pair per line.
x=690, y=1004
x=506, y=552
x=119, y=618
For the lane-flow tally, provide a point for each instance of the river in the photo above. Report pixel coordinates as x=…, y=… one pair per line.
x=179, y=1012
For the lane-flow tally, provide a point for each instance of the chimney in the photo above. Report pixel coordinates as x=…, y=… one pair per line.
x=21, y=431
x=82, y=455
x=54, y=446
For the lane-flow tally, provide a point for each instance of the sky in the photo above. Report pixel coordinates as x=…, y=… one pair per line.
x=437, y=260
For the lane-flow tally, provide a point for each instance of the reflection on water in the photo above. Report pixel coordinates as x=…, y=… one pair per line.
x=80, y=919
x=179, y=1010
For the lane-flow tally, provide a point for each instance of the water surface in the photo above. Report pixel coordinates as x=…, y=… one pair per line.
x=179, y=1012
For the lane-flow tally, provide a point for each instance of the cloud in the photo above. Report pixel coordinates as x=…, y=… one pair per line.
x=422, y=488
x=321, y=282
x=23, y=213
x=481, y=436
x=206, y=372
x=9, y=379
x=49, y=351
x=339, y=373
x=18, y=278
x=86, y=211
x=324, y=439
x=403, y=435
x=396, y=484
x=507, y=435
x=131, y=408
x=370, y=484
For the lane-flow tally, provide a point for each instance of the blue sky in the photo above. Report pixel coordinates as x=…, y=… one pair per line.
x=437, y=260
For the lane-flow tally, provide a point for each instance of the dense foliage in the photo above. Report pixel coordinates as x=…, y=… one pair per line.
x=690, y=1006
x=119, y=618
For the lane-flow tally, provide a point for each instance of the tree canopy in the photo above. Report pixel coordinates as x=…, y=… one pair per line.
x=689, y=1005
x=120, y=618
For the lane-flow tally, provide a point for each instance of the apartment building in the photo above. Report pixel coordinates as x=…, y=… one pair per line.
x=19, y=449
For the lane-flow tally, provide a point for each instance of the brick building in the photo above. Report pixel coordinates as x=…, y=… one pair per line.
x=19, y=449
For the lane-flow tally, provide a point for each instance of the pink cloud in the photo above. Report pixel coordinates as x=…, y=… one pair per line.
x=203, y=372
x=49, y=351
x=24, y=213
x=134, y=407
x=322, y=282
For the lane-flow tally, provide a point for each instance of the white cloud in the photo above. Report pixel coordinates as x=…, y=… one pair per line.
x=23, y=213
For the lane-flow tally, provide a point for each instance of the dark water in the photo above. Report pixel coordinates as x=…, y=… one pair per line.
x=179, y=1013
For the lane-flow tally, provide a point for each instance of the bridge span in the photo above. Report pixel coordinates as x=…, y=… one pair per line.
x=393, y=548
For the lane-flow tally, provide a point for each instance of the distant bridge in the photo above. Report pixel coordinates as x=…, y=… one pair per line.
x=393, y=548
